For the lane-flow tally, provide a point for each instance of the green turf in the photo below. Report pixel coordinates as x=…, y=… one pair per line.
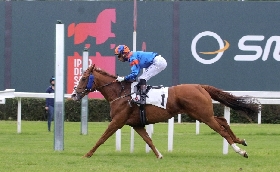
x=33, y=149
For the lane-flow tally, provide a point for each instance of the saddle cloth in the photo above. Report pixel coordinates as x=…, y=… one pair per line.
x=156, y=96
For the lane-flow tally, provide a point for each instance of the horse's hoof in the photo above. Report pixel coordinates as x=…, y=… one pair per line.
x=244, y=143
x=87, y=156
x=245, y=155
x=160, y=156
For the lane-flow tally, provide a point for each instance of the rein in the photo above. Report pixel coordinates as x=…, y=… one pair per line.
x=121, y=97
x=105, y=85
x=91, y=82
x=99, y=86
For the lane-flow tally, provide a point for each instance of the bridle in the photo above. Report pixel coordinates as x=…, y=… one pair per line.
x=89, y=89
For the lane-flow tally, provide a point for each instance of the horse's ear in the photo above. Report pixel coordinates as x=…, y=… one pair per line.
x=91, y=68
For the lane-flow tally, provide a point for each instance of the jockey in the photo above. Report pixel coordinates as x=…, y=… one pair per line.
x=151, y=61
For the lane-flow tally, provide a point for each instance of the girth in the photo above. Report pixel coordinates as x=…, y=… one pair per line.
x=143, y=117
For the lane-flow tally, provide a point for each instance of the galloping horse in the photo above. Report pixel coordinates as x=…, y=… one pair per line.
x=192, y=99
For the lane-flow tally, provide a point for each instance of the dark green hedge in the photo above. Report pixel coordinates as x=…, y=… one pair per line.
x=33, y=109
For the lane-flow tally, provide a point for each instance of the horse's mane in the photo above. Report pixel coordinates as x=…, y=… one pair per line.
x=99, y=70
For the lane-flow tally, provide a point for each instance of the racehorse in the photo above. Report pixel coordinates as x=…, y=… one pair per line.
x=192, y=99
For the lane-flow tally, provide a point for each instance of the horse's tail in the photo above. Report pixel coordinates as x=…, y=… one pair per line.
x=248, y=105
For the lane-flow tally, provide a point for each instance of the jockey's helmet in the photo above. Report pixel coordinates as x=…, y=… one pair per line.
x=121, y=49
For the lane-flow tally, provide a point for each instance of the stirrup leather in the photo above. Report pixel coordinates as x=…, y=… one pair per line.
x=142, y=92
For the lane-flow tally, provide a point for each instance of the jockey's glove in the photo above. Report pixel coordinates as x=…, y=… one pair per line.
x=120, y=78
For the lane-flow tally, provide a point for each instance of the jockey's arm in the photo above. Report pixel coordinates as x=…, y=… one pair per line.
x=135, y=69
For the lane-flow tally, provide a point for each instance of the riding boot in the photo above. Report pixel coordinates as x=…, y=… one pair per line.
x=141, y=92
x=142, y=89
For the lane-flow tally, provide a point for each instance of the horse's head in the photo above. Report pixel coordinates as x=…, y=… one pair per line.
x=85, y=85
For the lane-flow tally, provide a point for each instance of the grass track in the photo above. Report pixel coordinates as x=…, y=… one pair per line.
x=32, y=150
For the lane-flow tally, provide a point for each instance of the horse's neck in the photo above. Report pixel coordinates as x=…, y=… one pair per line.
x=107, y=91
x=114, y=90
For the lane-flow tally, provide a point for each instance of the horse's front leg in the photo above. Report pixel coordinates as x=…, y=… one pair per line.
x=112, y=128
x=143, y=133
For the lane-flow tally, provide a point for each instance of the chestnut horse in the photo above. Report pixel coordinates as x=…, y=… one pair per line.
x=192, y=99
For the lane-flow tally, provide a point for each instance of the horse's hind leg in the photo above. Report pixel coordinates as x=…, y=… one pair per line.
x=112, y=128
x=216, y=126
x=223, y=122
x=143, y=133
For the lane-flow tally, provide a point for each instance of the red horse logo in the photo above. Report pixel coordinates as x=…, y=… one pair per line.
x=101, y=29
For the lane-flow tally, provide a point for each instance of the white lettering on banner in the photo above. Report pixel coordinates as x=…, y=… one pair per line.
x=78, y=70
x=89, y=62
x=243, y=47
x=77, y=62
x=77, y=67
x=76, y=80
x=258, y=49
x=276, y=53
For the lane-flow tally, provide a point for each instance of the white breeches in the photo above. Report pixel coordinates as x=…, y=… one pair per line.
x=158, y=65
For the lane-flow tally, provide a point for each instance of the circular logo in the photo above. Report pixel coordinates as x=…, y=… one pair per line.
x=218, y=52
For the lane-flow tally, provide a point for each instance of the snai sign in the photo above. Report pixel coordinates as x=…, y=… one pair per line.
x=233, y=46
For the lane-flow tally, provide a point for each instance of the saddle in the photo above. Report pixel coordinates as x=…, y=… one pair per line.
x=154, y=95
x=137, y=98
